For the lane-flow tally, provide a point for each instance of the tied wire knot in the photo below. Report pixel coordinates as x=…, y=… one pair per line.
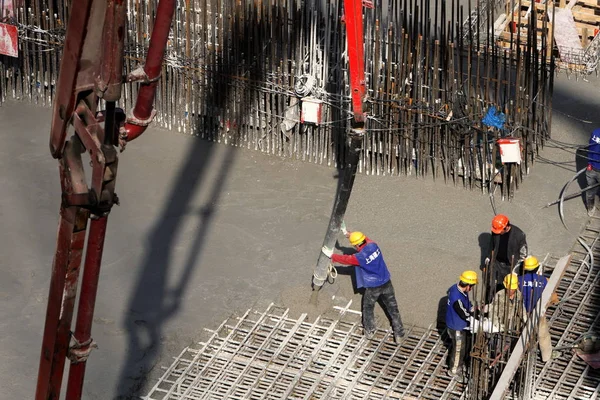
x=331, y=273
x=330, y=277
x=80, y=351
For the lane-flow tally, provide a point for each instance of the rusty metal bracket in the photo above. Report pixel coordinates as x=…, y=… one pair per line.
x=133, y=120
x=139, y=75
x=79, y=352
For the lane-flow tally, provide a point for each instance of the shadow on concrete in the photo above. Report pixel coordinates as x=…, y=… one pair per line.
x=158, y=294
x=154, y=300
x=440, y=322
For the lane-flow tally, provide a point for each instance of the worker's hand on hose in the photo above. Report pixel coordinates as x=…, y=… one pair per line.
x=344, y=230
x=327, y=251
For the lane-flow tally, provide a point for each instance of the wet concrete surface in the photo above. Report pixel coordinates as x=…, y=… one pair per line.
x=206, y=231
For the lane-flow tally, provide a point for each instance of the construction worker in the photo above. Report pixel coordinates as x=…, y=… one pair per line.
x=508, y=248
x=592, y=173
x=507, y=315
x=507, y=310
x=532, y=284
x=458, y=321
x=372, y=274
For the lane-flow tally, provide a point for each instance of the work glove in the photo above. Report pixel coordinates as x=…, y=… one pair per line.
x=469, y=324
x=344, y=230
x=327, y=251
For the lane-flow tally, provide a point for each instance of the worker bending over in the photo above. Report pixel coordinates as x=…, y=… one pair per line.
x=372, y=274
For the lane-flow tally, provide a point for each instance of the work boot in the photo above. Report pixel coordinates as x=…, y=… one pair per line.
x=591, y=207
x=398, y=336
x=591, y=211
x=457, y=374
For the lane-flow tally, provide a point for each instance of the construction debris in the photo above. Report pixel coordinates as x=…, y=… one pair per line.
x=574, y=25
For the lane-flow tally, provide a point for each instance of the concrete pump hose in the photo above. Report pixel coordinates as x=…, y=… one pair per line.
x=331, y=274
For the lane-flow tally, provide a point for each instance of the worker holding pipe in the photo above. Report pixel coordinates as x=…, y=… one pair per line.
x=508, y=309
x=532, y=284
x=373, y=275
x=458, y=322
x=508, y=248
x=507, y=312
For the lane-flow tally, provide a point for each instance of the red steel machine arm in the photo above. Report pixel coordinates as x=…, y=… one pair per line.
x=356, y=57
x=91, y=70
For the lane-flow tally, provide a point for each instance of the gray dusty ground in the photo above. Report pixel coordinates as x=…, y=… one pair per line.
x=206, y=231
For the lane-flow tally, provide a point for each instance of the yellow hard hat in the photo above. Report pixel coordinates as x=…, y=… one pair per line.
x=469, y=277
x=511, y=281
x=530, y=263
x=356, y=238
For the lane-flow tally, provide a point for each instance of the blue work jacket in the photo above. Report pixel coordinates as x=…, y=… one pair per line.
x=453, y=319
x=372, y=270
x=532, y=286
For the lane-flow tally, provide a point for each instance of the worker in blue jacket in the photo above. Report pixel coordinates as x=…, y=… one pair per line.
x=458, y=321
x=532, y=284
x=372, y=274
x=592, y=174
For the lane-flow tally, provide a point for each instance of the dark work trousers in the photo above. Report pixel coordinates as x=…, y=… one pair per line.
x=496, y=282
x=386, y=292
x=592, y=177
x=458, y=349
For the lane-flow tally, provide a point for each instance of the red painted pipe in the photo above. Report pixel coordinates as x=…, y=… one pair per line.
x=158, y=42
x=87, y=302
x=53, y=311
x=63, y=333
x=356, y=58
x=64, y=102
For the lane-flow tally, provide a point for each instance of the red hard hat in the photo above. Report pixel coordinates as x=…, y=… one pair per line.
x=499, y=222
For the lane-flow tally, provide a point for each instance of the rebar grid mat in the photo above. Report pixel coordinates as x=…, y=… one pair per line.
x=568, y=376
x=268, y=355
